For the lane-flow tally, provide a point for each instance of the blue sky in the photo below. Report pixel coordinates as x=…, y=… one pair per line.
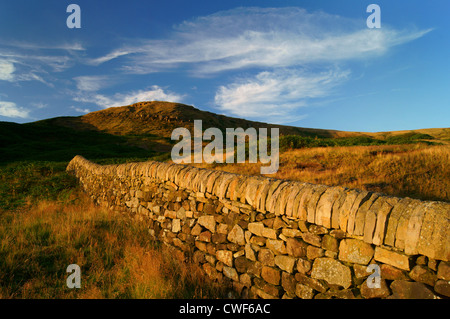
x=302, y=63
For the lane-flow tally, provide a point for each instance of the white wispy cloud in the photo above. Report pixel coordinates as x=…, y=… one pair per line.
x=26, y=61
x=261, y=38
x=155, y=93
x=39, y=105
x=10, y=109
x=92, y=83
x=80, y=110
x=110, y=56
x=276, y=94
x=6, y=70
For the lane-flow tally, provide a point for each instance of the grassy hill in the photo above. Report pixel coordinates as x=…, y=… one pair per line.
x=143, y=130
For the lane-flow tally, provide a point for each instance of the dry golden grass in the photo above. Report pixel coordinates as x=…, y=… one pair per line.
x=116, y=256
x=417, y=171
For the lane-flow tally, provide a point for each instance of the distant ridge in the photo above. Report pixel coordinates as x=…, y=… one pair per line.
x=160, y=118
x=143, y=130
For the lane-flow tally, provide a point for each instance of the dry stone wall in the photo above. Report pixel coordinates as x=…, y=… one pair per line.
x=271, y=238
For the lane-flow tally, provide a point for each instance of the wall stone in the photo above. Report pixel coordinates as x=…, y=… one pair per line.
x=270, y=238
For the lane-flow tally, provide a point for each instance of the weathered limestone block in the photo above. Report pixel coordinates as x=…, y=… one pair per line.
x=443, y=271
x=176, y=225
x=335, y=213
x=203, y=180
x=296, y=189
x=313, y=201
x=285, y=263
x=410, y=290
x=302, y=200
x=291, y=232
x=266, y=257
x=280, y=205
x=288, y=283
x=330, y=243
x=205, y=236
x=256, y=228
x=269, y=233
x=422, y=274
x=325, y=206
x=271, y=275
x=369, y=293
x=208, y=222
x=249, y=252
x=270, y=206
x=332, y=271
x=225, y=256
x=313, y=252
x=303, y=265
x=311, y=282
x=304, y=292
x=434, y=238
x=211, y=272
x=260, y=195
x=389, y=272
x=268, y=198
x=393, y=220
x=442, y=287
x=355, y=251
x=392, y=258
x=231, y=273
x=269, y=291
x=277, y=246
x=211, y=180
x=312, y=239
x=382, y=215
x=402, y=225
x=236, y=235
x=295, y=247
x=346, y=208
x=222, y=191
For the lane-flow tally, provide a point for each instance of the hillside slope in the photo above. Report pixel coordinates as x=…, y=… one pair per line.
x=143, y=130
x=160, y=118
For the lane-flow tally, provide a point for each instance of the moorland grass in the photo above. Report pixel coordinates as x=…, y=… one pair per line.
x=116, y=256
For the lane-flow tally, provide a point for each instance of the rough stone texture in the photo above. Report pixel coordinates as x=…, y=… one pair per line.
x=355, y=251
x=225, y=256
x=422, y=274
x=443, y=271
x=392, y=258
x=303, y=266
x=410, y=290
x=304, y=292
x=311, y=282
x=312, y=239
x=208, y=222
x=271, y=238
x=442, y=287
x=271, y=275
x=231, y=273
x=285, y=263
x=236, y=235
x=389, y=272
x=266, y=257
x=374, y=292
x=332, y=271
x=330, y=243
